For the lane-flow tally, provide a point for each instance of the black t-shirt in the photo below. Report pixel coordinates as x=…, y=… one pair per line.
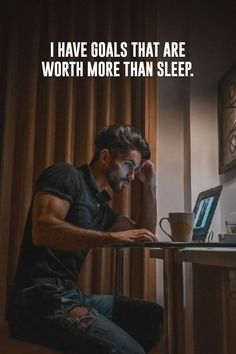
x=88, y=209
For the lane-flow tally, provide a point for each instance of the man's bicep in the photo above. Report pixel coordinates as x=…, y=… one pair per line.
x=123, y=223
x=48, y=211
x=45, y=204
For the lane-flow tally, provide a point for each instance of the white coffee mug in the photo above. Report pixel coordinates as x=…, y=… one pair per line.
x=181, y=225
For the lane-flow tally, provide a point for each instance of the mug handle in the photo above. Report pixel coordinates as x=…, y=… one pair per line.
x=160, y=224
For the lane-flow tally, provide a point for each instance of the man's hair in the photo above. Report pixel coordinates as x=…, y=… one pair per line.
x=120, y=139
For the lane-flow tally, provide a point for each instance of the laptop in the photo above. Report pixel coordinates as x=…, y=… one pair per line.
x=204, y=210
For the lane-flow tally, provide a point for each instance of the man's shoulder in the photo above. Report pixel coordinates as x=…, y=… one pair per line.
x=61, y=179
x=61, y=169
x=60, y=174
x=66, y=166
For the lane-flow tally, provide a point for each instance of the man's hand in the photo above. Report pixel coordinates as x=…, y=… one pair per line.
x=134, y=235
x=146, y=173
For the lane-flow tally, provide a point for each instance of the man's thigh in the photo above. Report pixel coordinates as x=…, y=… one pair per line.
x=81, y=331
x=103, y=304
x=74, y=323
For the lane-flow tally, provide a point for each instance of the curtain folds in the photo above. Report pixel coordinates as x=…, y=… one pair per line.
x=47, y=120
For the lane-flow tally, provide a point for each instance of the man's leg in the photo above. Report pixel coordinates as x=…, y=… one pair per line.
x=77, y=329
x=143, y=320
x=90, y=327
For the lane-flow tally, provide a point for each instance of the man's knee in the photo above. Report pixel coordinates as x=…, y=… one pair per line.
x=78, y=311
x=80, y=317
x=83, y=317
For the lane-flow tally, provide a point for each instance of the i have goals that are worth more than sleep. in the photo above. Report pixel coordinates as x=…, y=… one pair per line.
x=105, y=67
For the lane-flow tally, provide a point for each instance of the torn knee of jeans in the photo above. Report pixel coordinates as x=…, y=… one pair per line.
x=82, y=318
x=78, y=311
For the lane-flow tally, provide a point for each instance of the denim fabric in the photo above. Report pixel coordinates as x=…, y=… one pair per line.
x=70, y=298
x=40, y=314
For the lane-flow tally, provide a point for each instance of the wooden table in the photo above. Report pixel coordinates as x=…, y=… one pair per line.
x=209, y=254
x=174, y=254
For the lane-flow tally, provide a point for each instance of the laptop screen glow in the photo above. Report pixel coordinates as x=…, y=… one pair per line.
x=204, y=211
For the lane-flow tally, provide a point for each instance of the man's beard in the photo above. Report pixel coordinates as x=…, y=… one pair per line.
x=116, y=183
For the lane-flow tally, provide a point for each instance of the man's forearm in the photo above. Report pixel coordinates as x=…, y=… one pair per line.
x=58, y=234
x=147, y=216
x=50, y=229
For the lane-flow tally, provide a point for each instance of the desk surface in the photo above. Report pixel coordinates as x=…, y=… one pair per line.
x=179, y=245
x=208, y=253
x=212, y=256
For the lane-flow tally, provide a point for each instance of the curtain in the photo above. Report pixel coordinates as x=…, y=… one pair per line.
x=54, y=119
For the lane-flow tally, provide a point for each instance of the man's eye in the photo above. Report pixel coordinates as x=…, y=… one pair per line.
x=129, y=165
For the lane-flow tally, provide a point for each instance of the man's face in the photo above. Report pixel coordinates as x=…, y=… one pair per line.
x=121, y=169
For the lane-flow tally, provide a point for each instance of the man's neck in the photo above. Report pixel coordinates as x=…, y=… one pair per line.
x=99, y=177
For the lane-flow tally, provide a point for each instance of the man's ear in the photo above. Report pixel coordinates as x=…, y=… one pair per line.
x=105, y=156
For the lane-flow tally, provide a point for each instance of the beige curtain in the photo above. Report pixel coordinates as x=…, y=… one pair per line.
x=47, y=120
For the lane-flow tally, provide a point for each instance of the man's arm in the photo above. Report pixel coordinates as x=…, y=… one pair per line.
x=49, y=228
x=147, y=214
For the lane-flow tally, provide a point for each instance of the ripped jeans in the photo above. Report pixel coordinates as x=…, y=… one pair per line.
x=40, y=314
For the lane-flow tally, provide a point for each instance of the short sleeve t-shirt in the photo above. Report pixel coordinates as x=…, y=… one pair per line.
x=88, y=209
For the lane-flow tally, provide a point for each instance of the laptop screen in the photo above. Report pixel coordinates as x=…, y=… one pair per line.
x=204, y=211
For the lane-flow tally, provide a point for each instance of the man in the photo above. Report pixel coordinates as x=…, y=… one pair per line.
x=69, y=215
